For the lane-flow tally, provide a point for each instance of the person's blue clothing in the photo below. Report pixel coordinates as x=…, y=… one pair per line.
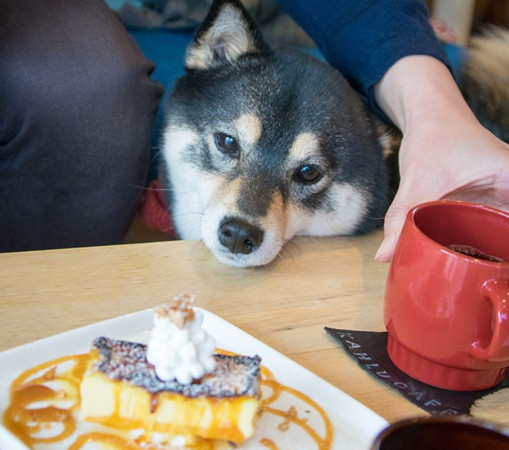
x=364, y=38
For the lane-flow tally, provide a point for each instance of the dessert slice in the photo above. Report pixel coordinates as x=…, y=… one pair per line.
x=121, y=389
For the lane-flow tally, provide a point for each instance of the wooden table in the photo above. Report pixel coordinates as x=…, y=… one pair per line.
x=314, y=283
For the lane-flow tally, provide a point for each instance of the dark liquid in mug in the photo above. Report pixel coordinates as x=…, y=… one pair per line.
x=475, y=253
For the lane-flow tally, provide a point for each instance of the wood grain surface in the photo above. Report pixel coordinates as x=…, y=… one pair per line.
x=316, y=282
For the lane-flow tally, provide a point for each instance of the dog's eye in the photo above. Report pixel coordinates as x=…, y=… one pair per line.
x=307, y=174
x=227, y=144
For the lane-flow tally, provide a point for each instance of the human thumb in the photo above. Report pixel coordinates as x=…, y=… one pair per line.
x=394, y=220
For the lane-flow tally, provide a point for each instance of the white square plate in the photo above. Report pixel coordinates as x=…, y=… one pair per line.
x=355, y=426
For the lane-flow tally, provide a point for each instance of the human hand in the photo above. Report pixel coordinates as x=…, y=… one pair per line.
x=444, y=157
x=445, y=151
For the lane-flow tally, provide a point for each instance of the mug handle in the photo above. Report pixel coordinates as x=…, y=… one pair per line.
x=497, y=291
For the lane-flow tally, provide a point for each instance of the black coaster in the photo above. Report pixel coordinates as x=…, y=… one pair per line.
x=369, y=350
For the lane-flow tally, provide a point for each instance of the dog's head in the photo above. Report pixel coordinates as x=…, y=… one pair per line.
x=263, y=144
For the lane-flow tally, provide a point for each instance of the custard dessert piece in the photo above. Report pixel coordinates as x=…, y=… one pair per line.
x=121, y=389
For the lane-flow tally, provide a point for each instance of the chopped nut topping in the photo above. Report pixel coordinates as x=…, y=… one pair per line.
x=290, y=414
x=283, y=426
x=50, y=374
x=179, y=312
x=61, y=394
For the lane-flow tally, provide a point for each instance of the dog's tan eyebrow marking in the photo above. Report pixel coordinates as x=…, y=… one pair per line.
x=305, y=145
x=249, y=129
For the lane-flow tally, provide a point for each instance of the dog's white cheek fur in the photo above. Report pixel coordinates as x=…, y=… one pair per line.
x=350, y=205
x=191, y=189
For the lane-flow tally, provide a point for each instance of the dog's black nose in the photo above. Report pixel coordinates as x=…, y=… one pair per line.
x=239, y=236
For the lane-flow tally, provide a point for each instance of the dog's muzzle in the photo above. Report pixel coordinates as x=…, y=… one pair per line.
x=239, y=236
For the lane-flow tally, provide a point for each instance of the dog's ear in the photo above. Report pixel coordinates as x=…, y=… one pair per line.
x=227, y=33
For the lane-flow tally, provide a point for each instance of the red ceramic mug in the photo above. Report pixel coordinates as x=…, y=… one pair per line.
x=446, y=312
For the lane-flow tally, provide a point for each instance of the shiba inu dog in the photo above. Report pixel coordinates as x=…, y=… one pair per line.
x=261, y=145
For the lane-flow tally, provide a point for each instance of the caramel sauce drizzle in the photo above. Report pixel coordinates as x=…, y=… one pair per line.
x=266, y=442
x=102, y=438
x=291, y=416
x=35, y=385
x=56, y=385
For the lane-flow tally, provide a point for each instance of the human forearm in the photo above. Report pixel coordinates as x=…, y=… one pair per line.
x=418, y=89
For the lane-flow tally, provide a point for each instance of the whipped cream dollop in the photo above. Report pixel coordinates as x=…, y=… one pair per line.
x=179, y=348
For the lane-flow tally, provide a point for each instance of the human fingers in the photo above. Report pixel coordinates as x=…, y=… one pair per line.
x=405, y=199
x=394, y=219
